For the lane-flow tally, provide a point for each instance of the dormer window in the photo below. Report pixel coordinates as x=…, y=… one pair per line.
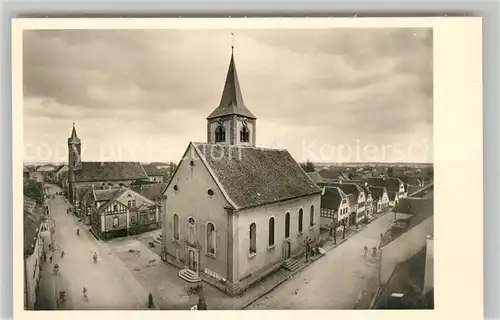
x=220, y=134
x=244, y=134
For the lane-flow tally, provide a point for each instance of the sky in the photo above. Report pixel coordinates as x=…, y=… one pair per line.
x=325, y=95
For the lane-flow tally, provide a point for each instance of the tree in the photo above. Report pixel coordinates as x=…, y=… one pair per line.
x=344, y=227
x=307, y=244
x=308, y=166
x=333, y=230
x=198, y=290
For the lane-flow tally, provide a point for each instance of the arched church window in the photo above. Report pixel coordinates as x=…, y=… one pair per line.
x=220, y=134
x=253, y=238
x=287, y=225
x=271, y=232
x=311, y=216
x=192, y=230
x=244, y=134
x=176, y=226
x=210, y=238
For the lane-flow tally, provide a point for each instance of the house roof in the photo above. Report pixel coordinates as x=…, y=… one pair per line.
x=105, y=194
x=392, y=184
x=348, y=188
x=231, y=102
x=151, y=191
x=315, y=176
x=33, y=217
x=414, y=205
x=253, y=176
x=377, y=192
x=33, y=189
x=421, y=209
x=332, y=198
x=80, y=192
x=362, y=184
x=392, y=195
x=333, y=174
x=45, y=166
x=152, y=170
x=116, y=195
x=107, y=171
x=351, y=199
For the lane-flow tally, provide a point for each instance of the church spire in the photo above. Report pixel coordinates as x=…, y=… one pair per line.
x=231, y=102
x=74, y=137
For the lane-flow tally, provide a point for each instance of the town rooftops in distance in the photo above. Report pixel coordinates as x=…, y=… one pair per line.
x=152, y=170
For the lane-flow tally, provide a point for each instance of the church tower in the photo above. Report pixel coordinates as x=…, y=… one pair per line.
x=231, y=122
x=74, y=161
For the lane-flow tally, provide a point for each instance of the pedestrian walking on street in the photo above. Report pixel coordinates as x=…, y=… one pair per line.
x=374, y=251
x=95, y=257
x=366, y=250
x=50, y=258
x=85, y=294
x=44, y=257
x=151, y=303
x=62, y=253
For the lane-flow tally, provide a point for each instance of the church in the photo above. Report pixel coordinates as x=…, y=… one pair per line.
x=233, y=212
x=83, y=175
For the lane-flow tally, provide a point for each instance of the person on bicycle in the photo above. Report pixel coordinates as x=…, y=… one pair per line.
x=56, y=268
x=95, y=257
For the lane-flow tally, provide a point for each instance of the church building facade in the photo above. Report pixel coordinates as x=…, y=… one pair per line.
x=232, y=212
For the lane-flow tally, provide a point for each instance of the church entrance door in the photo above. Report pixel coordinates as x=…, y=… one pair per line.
x=287, y=248
x=193, y=260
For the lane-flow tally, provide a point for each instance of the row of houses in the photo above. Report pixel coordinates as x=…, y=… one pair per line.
x=36, y=237
x=350, y=202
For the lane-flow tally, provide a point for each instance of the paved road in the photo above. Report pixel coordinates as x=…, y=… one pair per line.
x=110, y=284
x=334, y=281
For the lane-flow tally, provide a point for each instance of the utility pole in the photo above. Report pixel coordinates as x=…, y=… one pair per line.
x=335, y=230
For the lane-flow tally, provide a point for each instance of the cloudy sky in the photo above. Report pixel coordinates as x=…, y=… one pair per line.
x=325, y=95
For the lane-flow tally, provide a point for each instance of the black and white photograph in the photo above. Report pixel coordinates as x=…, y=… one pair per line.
x=228, y=169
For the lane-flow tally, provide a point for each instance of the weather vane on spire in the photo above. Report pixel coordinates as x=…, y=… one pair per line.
x=232, y=41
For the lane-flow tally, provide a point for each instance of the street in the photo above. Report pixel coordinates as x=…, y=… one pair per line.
x=126, y=267
x=334, y=281
x=110, y=285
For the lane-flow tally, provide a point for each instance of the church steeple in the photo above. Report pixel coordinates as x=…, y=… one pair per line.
x=74, y=161
x=231, y=122
x=74, y=137
x=231, y=102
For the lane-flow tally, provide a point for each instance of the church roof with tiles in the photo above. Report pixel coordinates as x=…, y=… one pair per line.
x=108, y=171
x=253, y=176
